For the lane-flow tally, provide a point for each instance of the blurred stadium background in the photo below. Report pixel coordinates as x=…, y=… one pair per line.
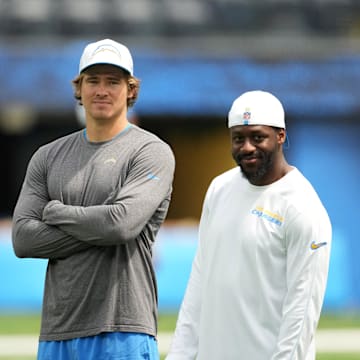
x=194, y=57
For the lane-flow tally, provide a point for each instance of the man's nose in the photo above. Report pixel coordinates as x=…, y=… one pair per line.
x=247, y=146
x=101, y=89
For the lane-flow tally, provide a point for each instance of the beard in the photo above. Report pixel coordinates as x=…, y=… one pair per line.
x=254, y=174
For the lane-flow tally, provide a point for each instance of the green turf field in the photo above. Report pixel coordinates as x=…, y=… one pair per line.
x=30, y=324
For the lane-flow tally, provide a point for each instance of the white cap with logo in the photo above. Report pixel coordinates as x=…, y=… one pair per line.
x=109, y=52
x=257, y=108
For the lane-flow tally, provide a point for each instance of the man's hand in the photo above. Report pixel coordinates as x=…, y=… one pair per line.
x=51, y=209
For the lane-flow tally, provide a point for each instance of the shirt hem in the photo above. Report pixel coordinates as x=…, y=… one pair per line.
x=93, y=332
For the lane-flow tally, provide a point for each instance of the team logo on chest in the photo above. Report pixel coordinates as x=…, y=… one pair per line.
x=268, y=215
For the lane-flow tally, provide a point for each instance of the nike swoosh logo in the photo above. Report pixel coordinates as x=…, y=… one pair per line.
x=315, y=246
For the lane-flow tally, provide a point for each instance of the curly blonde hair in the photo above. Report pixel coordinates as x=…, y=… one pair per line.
x=133, y=84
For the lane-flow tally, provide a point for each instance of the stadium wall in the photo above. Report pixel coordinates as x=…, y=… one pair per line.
x=320, y=98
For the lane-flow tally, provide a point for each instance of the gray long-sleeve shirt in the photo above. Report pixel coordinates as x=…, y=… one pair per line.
x=93, y=210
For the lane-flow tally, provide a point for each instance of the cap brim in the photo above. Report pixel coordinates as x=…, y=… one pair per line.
x=104, y=63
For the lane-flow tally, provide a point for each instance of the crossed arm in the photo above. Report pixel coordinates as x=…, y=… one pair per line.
x=31, y=236
x=45, y=228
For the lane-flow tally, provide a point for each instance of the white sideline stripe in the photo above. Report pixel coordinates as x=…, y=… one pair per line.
x=338, y=340
x=327, y=340
x=18, y=345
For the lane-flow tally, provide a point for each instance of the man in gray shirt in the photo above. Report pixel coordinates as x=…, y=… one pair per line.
x=92, y=203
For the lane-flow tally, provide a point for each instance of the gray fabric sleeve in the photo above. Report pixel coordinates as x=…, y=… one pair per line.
x=31, y=237
x=127, y=211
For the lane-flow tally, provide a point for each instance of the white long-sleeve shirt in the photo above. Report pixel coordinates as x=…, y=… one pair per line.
x=259, y=275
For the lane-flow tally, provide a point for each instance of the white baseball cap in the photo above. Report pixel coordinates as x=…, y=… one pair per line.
x=257, y=108
x=106, y=51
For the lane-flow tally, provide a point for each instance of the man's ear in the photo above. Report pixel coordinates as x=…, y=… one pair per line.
x=131, y=90
x=281, y=136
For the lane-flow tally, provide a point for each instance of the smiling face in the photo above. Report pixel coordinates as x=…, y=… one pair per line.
x=104, y=93
x=257, y=150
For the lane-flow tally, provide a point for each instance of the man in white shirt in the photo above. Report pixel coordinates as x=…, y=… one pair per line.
x=259, y=275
